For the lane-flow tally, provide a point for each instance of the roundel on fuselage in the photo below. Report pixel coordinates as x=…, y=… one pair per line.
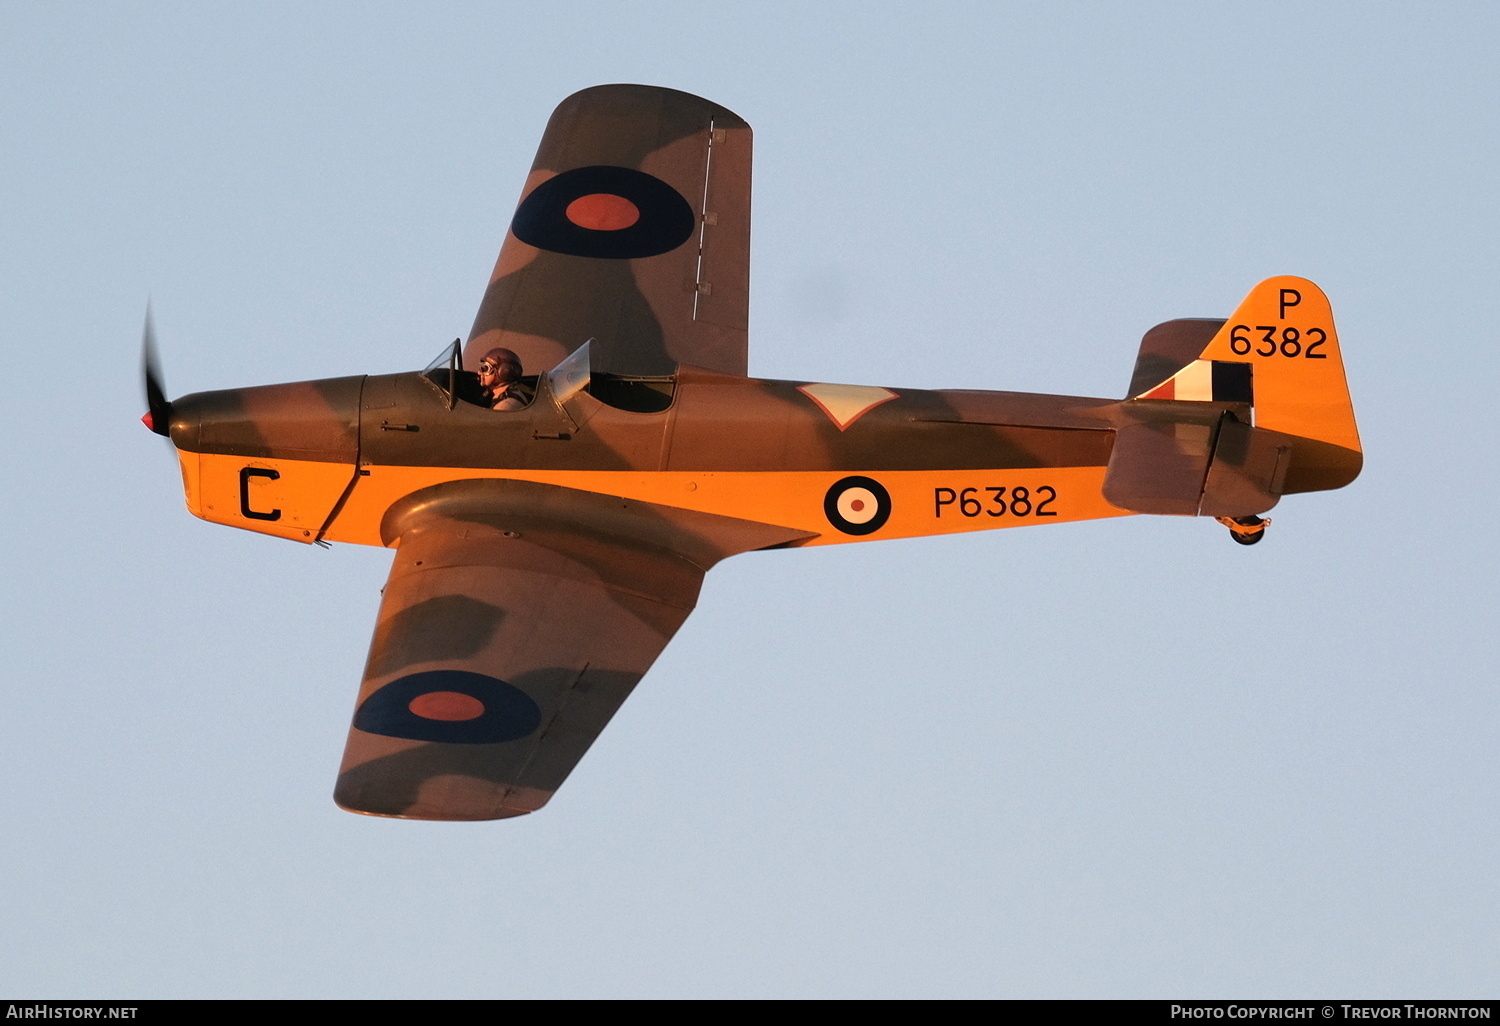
x=613, y=213
x=857, y=505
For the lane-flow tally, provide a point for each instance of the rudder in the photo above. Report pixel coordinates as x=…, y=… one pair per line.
x=1284, y=330
x=1227, y=416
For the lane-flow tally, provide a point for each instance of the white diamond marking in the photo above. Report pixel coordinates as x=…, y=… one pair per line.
x=845, y=404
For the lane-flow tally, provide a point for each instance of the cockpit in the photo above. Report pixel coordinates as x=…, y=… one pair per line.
x=633, y=392
x=636, y=393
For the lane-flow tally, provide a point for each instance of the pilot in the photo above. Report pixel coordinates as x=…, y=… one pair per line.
x=500, y=378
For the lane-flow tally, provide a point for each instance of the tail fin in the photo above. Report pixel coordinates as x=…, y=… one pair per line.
x=1227, y=416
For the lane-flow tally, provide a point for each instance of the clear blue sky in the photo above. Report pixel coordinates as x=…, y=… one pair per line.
x=1125, y=758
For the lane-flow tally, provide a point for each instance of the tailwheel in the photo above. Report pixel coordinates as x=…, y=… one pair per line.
x=1245, y=530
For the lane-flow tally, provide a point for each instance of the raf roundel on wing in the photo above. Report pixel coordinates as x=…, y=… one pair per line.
x=540, y=572
x=607, y=212
x=456, y=706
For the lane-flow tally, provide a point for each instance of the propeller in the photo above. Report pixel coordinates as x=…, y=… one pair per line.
x=158, y=410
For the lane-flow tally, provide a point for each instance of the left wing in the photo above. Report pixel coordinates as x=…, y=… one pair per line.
x=634, y=230
x=516, y=620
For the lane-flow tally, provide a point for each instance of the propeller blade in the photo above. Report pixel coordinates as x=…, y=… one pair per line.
x=158, y=410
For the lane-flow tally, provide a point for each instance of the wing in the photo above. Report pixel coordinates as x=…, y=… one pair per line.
x=516, y=620
x=634, y=230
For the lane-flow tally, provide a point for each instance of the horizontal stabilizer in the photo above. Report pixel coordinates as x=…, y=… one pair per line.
x=1228, y=416
x=1167, y=349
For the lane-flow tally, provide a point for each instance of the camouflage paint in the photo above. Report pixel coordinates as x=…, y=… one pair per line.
x=545, y=556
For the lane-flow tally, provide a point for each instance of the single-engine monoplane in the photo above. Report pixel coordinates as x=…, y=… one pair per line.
x=556, y=488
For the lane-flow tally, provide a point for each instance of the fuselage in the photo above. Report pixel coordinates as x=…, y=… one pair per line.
x=326, y=460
